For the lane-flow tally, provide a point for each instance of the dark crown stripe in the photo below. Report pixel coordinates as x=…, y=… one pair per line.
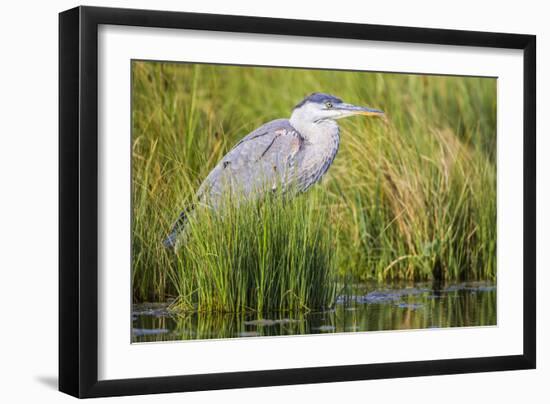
x=318, y=98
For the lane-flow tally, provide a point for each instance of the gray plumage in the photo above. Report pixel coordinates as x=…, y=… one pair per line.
x=266, y=159
x=280, y=155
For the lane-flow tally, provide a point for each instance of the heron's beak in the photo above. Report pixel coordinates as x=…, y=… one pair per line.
x=350, y=109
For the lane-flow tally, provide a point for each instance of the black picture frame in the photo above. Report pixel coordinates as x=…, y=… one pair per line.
x=78, y=201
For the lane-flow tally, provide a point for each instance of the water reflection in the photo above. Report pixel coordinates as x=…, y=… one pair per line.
x=360, y=308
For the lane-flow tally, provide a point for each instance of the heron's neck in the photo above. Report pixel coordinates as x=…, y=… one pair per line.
x=322, y=140
x=317, y=132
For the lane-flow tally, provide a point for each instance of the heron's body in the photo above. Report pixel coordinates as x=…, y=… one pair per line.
x=280, y=155
x=276, y=155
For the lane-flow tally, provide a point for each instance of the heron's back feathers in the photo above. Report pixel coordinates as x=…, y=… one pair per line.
x=262, y=160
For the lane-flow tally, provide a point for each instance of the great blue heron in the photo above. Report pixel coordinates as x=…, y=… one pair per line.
x=286, y=153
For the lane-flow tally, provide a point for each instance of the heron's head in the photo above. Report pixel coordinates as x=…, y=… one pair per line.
x=319, y=107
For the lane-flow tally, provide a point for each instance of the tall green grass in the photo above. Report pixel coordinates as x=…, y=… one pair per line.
x=412, y=199
x=268, y=255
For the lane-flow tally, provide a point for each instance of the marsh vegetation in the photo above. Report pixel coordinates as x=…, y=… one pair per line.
x=412, y=199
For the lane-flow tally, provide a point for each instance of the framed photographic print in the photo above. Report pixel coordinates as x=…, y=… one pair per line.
x=250, y=201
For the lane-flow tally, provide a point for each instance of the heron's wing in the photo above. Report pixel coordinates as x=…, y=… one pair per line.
x=262, y=160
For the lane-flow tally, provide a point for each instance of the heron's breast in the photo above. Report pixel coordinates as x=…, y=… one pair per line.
x=317, y=158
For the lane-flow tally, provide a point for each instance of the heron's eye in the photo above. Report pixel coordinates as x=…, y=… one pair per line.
x=328, y=104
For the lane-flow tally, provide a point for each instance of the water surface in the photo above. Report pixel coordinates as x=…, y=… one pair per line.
x=365, y=307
